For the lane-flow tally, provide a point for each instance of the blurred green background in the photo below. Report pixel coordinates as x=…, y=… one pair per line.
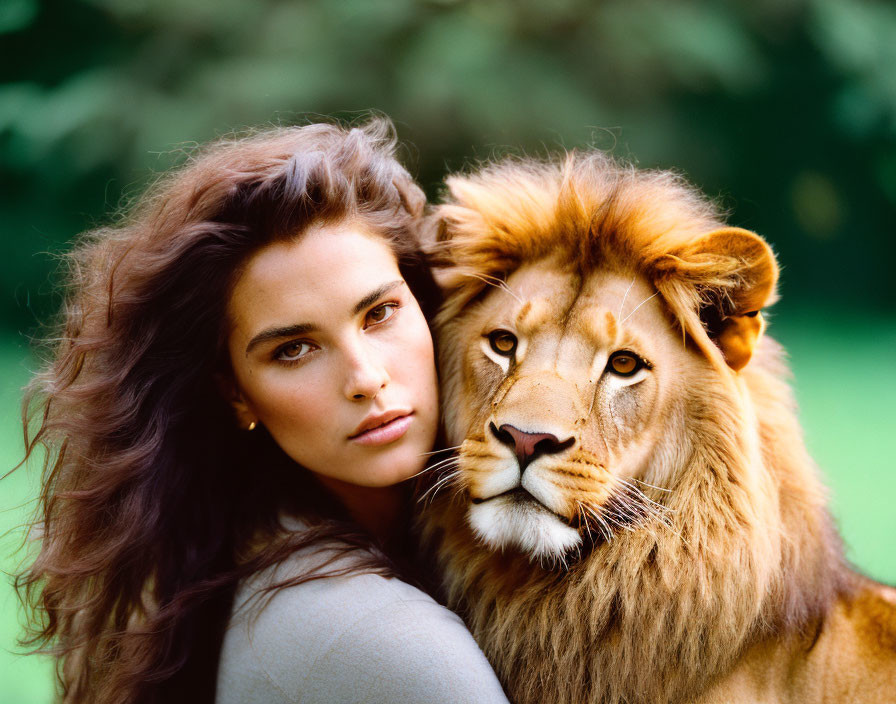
x=783, y=110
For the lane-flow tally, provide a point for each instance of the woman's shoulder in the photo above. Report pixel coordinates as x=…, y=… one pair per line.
x=358, y=637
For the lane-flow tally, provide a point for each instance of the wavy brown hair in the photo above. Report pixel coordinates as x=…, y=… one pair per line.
x=151, y=498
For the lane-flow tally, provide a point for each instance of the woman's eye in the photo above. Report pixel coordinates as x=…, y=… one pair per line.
x=381, y=313
x=624, y=363
x=502, y=342
x=293, y=351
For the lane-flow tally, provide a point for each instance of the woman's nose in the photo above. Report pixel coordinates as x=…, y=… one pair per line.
x=366, y=374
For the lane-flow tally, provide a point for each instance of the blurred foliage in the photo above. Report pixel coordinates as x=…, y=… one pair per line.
x=785, y=110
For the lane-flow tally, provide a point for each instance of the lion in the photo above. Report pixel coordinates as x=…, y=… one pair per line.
x=634, y=515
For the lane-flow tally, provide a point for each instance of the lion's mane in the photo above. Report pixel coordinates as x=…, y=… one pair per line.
x=747, y=551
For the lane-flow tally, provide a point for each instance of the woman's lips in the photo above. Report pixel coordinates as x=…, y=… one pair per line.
x=386, y=433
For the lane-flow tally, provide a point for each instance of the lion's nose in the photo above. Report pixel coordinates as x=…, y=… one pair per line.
x=528, y=446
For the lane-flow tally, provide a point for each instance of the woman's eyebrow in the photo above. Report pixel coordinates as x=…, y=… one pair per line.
x=278, y=333
x=304, y=328
x=371, y=297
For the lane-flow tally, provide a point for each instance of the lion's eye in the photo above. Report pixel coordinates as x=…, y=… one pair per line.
x=624, y=363
x=502, y=342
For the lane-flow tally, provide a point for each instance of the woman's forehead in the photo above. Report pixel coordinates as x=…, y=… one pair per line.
x=320, y=276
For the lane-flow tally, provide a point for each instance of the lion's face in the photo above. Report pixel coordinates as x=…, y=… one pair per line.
x=570, y=395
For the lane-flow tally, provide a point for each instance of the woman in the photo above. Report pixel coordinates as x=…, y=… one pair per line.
x=244, y=385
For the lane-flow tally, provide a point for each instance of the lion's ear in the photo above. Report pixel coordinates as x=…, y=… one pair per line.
x=752, y=274
x=751, y=287
x=738, y=339
x=733, y=274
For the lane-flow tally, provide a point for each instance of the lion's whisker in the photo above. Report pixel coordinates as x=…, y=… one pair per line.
x=447, y=465
x=639, y=305
x=602, y=524
x=622, y=305
x=641, y=496
x=583, y=518
x=496, y=282
x=619, y=523
x=438, y=452
x=659, y=512
x=434, y=467
x=434, y=489
x=653, y=486
x=444, y=462
x=422, y=471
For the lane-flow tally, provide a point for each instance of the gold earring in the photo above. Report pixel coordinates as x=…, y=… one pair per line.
x=252, y=426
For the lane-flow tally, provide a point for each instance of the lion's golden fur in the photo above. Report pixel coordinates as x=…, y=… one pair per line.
x=739, y=579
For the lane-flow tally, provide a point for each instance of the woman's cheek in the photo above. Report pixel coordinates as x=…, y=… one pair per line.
x=291, y=404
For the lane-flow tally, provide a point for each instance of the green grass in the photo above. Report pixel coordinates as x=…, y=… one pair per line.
x=23, y=680
x=845, y=379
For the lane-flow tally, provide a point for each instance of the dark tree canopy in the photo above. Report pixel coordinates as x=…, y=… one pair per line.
x=786, y=111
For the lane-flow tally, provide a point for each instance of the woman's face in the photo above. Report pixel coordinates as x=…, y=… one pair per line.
x=331, y=353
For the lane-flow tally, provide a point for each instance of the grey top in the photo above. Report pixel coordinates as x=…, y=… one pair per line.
x=359, y=638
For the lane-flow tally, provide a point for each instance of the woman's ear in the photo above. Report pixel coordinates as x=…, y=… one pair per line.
x=230, y=392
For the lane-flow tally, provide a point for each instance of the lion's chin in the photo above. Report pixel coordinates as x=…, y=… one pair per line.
x=508, y=521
